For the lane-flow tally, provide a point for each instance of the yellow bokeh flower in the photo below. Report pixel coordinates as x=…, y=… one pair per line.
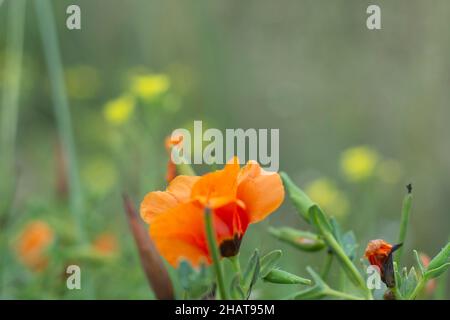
x=119, y=110
x=327, y=195
x=358, y=163
x=150, y=86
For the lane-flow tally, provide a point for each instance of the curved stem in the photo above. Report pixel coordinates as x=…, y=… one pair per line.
x=213, y=249
x=348, y=265
x=327, y=266
x=236, y=264
x=418, y=289
x=343, y=295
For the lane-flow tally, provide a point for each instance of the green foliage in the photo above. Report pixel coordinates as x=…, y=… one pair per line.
x=284, y=277
x=196, y=283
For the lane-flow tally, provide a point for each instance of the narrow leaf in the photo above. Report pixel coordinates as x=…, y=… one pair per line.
x=284, y=277
x=269, y=261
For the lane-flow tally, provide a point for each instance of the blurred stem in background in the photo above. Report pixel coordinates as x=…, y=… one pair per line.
x=9, y=118
x=61, y=107
x=10, y=102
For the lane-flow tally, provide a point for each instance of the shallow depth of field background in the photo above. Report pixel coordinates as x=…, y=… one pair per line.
x=309, y=68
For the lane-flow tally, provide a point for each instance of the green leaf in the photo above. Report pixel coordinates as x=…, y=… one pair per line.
x=318, y=291
x=397, y=277
x=251, y=272
x=195, y=282
x=269, y=261
x=349, y=245
x=319, y=220
x=440, y=259
x=434, y=273
x=236, y=290
x=419, y=262
x=303, y=240
x=284, y=277
x=300, y=200
x=409, y=282
x=185, y=272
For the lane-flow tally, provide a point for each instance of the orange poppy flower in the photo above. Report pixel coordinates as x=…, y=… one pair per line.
x=236, y=196
x=32, y=243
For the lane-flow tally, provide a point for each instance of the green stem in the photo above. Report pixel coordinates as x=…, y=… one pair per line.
x=327, y=266
x=406, y=210
x=236, y=264
x=418, y=289
x=343, y=295
x=50, y=43
x=9, y=119
x=10, y=101
x=214, y=251
x=352, y=272
x=440, y=293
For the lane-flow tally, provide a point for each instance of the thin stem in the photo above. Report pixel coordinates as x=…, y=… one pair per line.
x=343, y=295
x=327, y=265
x=418, y=289
x=236, y=264
x=10, y=101
x=406, y=210
x=214, y=251
x=9, y=119
x=50, y=43
x=352, y=272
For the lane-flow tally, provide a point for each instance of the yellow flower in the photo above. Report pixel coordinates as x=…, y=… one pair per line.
x=324, y=192
x=119, y=110
x=358, y=163
x=150, y=86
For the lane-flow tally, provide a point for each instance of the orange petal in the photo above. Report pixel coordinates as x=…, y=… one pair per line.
x=217, y=188
x=158, y=202
x=155, y=203
x=181, y=187
x=262, y=192
x=180, y=234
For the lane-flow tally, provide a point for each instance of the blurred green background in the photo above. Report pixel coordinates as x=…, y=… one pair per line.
x=139, y=69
